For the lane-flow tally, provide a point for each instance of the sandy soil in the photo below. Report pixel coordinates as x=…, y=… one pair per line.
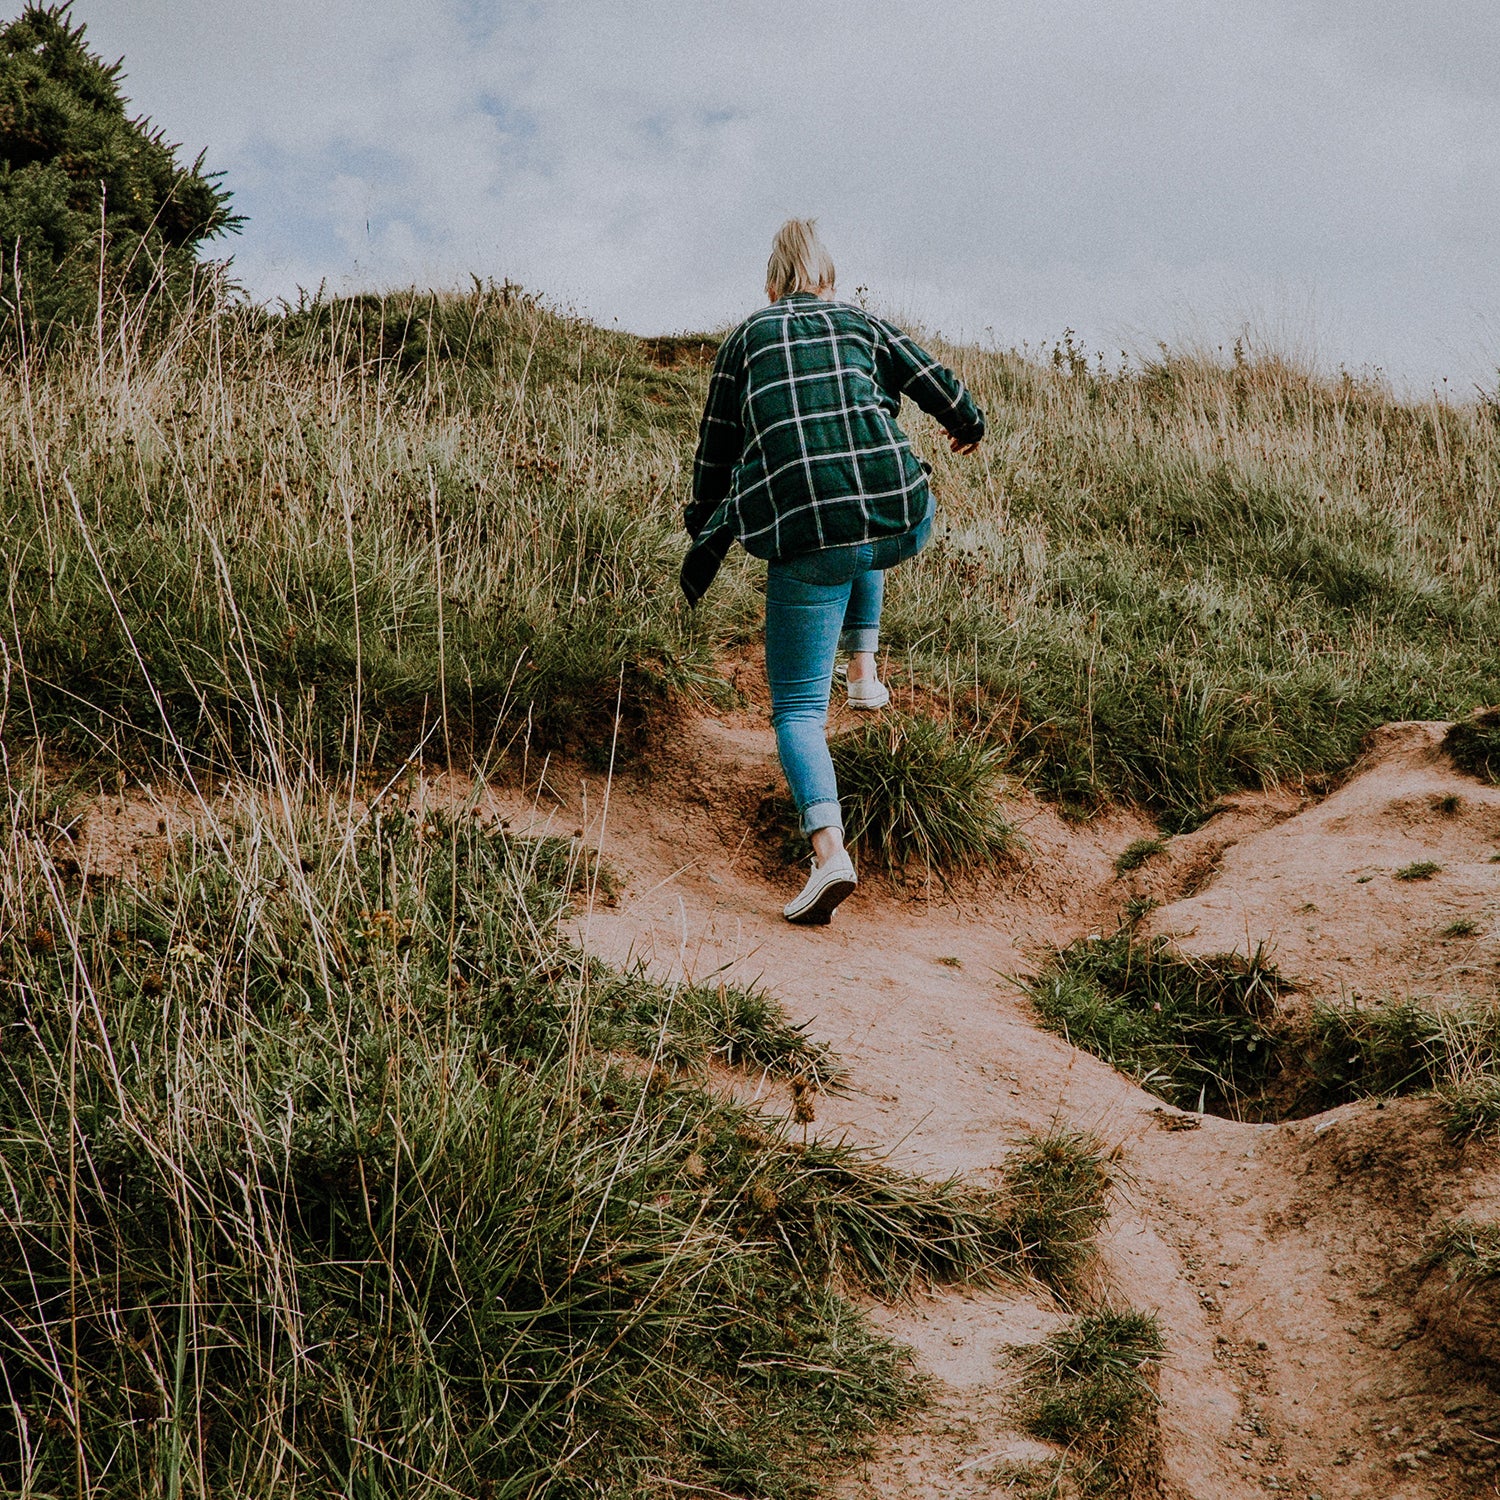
x=1319, y=891
x=1309, y=1353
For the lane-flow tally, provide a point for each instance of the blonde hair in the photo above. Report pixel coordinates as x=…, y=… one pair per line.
x=798, y=263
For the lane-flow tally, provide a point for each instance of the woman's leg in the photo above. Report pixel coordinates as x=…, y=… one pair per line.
x=861, y=633
x=803, y=621
x=860, y=637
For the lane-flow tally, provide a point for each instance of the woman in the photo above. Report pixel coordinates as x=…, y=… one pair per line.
x=801, y=461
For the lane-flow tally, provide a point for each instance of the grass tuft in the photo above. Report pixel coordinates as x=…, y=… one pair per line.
x=1137, y=852
x=1461, y=927
x=1193, y=1031
x=1421, y=869
x=916, y=793
x=1091, y=1389
x=1207, y=1034
x=1474, y=744
x=1472, y=1105
x=1056, y=1186
x=1468, y=1248
x=737, y=1026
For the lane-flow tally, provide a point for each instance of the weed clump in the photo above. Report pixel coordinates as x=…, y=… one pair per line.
x=1055, y=1187
x=1206, y=1034
x=1468, y=1248
x=1472, y=1105
x=1474, y=744
x=920, y=794
x=686, y=1026
x=1421, y=869
x=1091, y=1388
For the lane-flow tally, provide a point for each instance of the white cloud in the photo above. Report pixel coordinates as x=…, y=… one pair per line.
x=1121, y=168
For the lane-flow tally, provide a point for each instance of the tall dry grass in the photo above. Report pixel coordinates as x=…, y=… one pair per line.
x=381, y=522
x=351, y=524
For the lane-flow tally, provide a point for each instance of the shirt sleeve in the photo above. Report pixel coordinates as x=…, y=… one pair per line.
x=721, y=438
x=905, y=368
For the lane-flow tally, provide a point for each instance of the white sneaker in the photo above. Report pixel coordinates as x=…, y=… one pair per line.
x=868, y=692
x=826, y=887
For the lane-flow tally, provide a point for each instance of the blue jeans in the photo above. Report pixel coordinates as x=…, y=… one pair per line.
x=816, y=605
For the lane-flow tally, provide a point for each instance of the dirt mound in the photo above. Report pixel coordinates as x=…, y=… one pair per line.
x=1389, y=887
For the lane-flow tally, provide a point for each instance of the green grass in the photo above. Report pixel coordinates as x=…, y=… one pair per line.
x=1461, y=927
x=1055, y=1204
x=916, y=794
x=1207, y=1033
x=686, y=1026
x=1472, y=1105
x=1168, y=585
x=331, y=1166
x=1091, y=1389
x=1137, y=852
x=1474, y=744
x=361, y=527
x=1195, y=1032
x=1421, y=869
x=368, y=524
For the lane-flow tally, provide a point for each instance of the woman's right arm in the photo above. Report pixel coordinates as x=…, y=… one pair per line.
x=721, y=438
x=905, y=368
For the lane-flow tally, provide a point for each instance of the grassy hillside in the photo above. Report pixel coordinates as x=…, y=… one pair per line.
x=332, y=527
x=328, y=1166
x=1206, y=576
x=326, y=529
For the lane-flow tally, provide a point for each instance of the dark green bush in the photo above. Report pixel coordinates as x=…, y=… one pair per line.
x=71, y=156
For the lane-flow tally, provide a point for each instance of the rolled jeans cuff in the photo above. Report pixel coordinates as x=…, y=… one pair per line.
x=864, y=638
x=818, y=815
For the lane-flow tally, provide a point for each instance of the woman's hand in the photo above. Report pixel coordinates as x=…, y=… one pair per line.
x=959, y=447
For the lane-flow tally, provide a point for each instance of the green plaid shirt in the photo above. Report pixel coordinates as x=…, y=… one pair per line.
x=799, y=447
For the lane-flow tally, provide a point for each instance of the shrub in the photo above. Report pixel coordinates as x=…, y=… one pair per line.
x=63, y=132
x=1421, y=869
x=917, y=793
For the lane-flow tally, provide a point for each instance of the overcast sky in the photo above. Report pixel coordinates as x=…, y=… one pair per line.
x=1327, y=171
